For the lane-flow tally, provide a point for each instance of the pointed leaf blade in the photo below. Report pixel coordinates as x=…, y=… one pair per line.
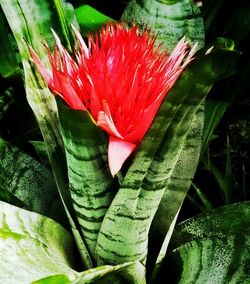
x=176, y=190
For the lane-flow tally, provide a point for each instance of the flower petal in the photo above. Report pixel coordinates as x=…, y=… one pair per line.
x=41, y=68
x=82, y=45
x=118, y=152
x=68, y=93
x=105, y=121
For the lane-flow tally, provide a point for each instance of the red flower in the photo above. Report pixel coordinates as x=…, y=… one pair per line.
x=121, y=79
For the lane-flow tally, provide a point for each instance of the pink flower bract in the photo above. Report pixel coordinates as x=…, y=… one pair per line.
x=121, y=78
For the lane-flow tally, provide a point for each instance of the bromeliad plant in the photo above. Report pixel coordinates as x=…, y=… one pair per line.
x=119, y=82
x=123, y=138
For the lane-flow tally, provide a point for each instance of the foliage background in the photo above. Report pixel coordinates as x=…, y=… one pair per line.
x=223, y=173
x=228, y=151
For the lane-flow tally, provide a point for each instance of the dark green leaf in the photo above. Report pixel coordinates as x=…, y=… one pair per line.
x=214, y=111
x=9, y=57
x=224, y=180
x=229, y=196
x=6, y=99
x=206, y=203
x=41, y=151
x=25, y=182
x=212, y=247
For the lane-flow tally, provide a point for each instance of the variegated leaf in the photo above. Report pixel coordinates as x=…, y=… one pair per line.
x=89, y=176
x=26, y=183
x=170, y=20
x=211, y=248
x=175, y=192
x=31, y=21
x=32, y=246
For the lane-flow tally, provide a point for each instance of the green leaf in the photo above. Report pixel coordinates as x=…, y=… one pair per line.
x=26, y=183
x=176, y=191
x=170, y=20
x=206, y=204
x=218, y=175
x=31, y=21
x=229, y=194
x=212, y=247
x=89, y=176
x=32, y=246
x=214, y=111
x=23, y=19
x=6, y=99
x=36, y=247
x=110, y=274
x=224, y=180
x=90, y=20
x=41, y=151
x=54, y=279
x=9, y=58
x=181, y=178
x=66, y=17
x=101, y=274
x=124, y=231
x=156, y=269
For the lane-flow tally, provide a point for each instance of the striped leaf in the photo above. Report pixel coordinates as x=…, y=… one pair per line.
x=212, y=248
x=32, y=246
x=30, y=21
x=89, y=176
x=181, y=178
x=178, y=185
x=26, y=183
x=169, y=19
x=124, y=231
